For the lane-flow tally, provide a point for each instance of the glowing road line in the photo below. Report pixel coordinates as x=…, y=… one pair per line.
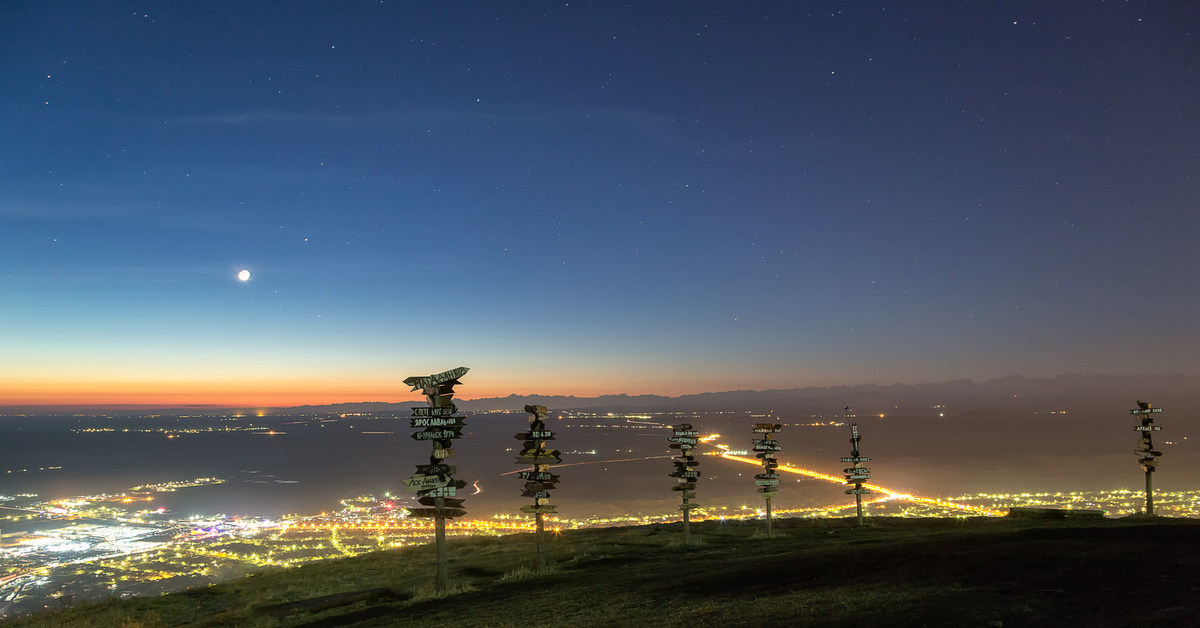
x=875, y=487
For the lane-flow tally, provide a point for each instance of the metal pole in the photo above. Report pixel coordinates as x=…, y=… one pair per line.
x=686, y=521
x=858, y=501
x=443, y=575
x=769, y=533
x=1149, y=494
x=541, y=543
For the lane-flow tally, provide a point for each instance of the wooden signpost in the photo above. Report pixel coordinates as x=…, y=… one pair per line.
x=856, y=474
x=685, y=439
x=766, y=448
x=538, y=481
x=434, y=483
x=1147, y=455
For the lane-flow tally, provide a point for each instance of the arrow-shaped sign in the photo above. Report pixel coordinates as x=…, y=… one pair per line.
x=535, y=435
x=436, y=433
x=443, y=411
x=424, y=482
x=538, y=476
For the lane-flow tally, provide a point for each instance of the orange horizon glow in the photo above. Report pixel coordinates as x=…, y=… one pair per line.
x=265, y=393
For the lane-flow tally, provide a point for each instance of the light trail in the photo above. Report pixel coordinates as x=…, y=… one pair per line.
x=838, y=480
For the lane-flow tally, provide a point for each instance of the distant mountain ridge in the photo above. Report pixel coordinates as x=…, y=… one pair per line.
x=1013, y=392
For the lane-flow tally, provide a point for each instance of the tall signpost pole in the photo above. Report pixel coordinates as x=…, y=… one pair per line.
x=857, y=474
x=768, y=480
x=434, y=483
x=538, y=481
x=1147, y=455
x=684, y=438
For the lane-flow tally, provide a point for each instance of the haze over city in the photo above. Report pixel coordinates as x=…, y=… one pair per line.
x=590, y=198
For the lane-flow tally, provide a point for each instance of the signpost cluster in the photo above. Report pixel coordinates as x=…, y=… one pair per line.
x=538, y=480
x=857, y=474
x=1147, y=455
x=684, y=439
x=766, y=447
x=434, y=483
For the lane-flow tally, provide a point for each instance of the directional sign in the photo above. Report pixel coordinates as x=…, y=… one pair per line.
x=685, y=433
x=684, y=446
x=537, y=476
x=1148, y=428
x=684, y=474
x=443, y=411
x=766, y=476
x=688, y=506
x=1145, y=410
x=424, y=482
x=1148, y=454
x=767, y=447
x=857, y=470
x=436, y=421
x=766, y=482
x=536, y=494
x=543, y=509
x=858, y=476
x=539, y=452
x=446, y=502
x=767, y=428
x=857, y=491
x=689, y=486
x=542, y=459
x=442, y=453
x=445, y=491
x=436, y=512
x=857, y=459
x=535, y=435
x=434, y=433
x=682, y=427
x=430, y=381
x=436, y=469
x=684, y=440
x=765, y=455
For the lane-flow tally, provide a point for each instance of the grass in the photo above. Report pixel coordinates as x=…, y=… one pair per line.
x=894, y=572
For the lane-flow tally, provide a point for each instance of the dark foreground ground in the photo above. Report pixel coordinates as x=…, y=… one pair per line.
x=895, y=572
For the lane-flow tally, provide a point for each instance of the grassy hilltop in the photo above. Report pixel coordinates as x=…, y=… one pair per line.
x=895, y=572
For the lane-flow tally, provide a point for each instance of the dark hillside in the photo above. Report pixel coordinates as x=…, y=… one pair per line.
x=896, y=572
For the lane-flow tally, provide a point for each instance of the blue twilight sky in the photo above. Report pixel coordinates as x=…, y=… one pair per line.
x=590, y=197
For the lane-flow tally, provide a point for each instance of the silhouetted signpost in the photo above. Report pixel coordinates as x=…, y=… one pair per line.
x=684, y=438
x=766, y=447
x=434, y=483
x=1147, y=455
x=856, y=474
x=538, y=481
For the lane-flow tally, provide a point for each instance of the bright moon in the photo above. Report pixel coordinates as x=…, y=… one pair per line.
x=244, y=275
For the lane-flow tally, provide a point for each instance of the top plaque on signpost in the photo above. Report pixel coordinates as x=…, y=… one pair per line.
x=430, y=381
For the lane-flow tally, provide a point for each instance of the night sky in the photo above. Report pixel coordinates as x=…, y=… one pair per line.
x=596, y=197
